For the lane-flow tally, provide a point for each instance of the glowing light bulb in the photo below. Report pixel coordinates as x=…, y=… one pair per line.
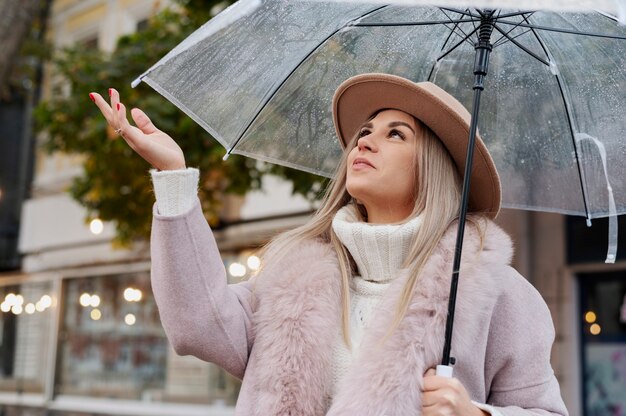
x=94, y=301
x=96, y=226
x=46, y=301
x=254, y=263
x=16, y=309
x=5, y=307
x=10, y=299
x=19, y=300
x=95, y=314
x=29, y=308
x=237, y=270
x=590, y=317
x=85, y=299
x=595, y=329
x=130, y=319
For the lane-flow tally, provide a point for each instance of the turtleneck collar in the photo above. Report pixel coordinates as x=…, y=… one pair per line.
x=379, y=250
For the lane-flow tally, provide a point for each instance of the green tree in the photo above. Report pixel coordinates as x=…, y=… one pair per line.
x=115, y=185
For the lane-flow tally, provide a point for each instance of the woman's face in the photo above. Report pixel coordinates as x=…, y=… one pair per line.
x=381, y=171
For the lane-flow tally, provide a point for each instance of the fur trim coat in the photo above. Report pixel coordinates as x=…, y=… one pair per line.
x=278, y=336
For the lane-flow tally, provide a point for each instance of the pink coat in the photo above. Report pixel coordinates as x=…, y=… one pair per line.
x=279, y=339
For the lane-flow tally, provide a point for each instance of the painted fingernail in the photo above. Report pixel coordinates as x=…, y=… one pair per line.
x=92, y=97
x=118, y=106
x=110, y=92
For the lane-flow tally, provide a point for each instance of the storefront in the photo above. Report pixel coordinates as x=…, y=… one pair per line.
x=601, y=318
x=92, y=343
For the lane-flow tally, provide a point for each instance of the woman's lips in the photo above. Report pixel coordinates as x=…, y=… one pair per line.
x=362, y=163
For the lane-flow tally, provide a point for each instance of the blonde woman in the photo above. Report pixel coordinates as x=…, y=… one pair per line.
x=347, y=315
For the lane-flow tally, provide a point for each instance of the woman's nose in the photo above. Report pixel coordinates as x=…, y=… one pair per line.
x=366, y=143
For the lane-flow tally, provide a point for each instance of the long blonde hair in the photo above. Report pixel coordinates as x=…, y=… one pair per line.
x=437, y=200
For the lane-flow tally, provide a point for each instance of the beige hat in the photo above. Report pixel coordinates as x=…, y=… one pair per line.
x=359, y=97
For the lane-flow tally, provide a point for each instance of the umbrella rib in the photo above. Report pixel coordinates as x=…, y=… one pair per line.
x=497, y=42
x=426, y=23
x=461, y=12
x=440, y=57
x=448, y=38
x=522, y=47
x=567, y=31
x=502, y=16
x=570, y=121
x=456, y=25
x=277, y=88
x=514, y=37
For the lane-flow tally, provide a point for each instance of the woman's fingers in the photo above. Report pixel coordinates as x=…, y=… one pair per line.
x=156, y=147
x=104, y=107
x=142, y=121
x=114, y=96
x=132, y=134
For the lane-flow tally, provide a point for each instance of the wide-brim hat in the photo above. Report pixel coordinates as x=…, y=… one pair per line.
x=359, y=97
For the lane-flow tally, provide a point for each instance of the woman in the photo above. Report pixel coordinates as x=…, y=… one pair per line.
x=347, y=315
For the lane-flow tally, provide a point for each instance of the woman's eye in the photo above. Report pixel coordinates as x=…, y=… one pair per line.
x=396, y=134
x=364, y=133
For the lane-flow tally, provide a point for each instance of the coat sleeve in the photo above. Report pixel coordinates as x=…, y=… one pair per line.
x=202, y=315
x=518, y=365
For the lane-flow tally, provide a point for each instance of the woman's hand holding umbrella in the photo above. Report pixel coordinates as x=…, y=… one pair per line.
x=155, y=146
x=446, y=396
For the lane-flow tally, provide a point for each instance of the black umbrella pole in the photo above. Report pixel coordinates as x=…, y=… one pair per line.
x=483, y=49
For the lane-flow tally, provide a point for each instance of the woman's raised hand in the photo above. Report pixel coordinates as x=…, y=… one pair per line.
x=155, y=146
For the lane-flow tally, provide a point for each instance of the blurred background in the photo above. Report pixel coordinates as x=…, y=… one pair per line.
x=79, y=329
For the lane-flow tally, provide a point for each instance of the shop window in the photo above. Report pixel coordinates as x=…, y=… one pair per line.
x=25, y=316
x=603, y=327
x=112, y=345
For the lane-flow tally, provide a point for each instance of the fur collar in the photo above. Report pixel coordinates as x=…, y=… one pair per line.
x=299, y=313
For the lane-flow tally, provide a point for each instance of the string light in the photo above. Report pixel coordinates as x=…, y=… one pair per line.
x=85, y=299
x=132, y=294
x=595, y=329
x=237, y=270
x=96, y=226
x=590, y=317
x=95, y=314
x=130, y=319
x=253, y=263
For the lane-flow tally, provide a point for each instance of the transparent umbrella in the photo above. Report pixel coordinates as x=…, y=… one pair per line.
x=260, y=77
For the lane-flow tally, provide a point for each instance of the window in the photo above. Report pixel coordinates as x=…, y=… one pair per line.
x=111, y=342
x=603, y=327
x=112, y=345
x=24, y=336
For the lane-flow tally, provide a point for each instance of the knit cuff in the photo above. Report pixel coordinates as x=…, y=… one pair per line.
x=489, y=409
x=175, y=190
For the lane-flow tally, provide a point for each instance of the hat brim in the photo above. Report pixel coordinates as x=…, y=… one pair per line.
x=359, y=97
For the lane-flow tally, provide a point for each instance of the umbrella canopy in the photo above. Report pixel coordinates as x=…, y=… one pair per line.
x=260, y=77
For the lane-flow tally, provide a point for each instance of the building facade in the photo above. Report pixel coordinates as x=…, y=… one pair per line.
x=80, y=331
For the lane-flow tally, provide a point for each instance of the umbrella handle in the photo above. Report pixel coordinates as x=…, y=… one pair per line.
x=444, y=371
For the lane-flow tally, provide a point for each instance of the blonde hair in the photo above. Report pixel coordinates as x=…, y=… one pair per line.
x=437, y=201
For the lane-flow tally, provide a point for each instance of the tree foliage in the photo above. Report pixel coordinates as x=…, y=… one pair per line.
x=115, y=185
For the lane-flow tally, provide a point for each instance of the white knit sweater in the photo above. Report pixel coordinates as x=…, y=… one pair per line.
x=378, y=251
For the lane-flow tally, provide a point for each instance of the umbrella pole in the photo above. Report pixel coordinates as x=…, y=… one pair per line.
x=483, y=48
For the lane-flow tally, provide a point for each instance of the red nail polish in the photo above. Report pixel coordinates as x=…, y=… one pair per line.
x=92, y=97
x=110, y=91
x=118, y=106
